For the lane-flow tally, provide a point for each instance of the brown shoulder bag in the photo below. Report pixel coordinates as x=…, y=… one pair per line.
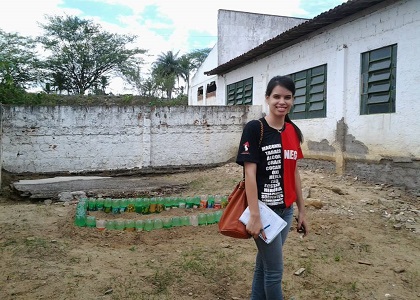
x=229, y=223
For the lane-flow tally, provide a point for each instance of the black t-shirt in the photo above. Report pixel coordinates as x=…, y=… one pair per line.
x=275, y=158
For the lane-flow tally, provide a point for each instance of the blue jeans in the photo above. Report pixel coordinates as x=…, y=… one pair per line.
x=269, y=263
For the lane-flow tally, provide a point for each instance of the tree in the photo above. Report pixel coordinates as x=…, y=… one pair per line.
x=81, y=53
x=197, y=57
x=166, y=70
x=18, y=60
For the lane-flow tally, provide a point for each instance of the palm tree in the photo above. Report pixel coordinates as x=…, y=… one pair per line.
x=190, y=62
x=167, y=69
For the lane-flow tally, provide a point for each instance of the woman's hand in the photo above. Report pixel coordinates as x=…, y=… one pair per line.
x=302, y=226
x=254, y=226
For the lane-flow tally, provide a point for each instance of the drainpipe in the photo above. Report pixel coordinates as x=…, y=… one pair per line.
x=341, y=128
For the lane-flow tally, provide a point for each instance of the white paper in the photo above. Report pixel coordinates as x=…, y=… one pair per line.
x=272, y=223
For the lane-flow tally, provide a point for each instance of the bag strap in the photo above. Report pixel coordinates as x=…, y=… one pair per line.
x=259, y=145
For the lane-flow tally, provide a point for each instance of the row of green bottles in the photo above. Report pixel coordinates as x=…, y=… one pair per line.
x=153, y=205
x=151, y=224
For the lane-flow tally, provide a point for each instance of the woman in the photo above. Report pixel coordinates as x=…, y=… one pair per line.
x=271, y=175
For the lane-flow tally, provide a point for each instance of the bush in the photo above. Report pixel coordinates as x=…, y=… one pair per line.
x=17, y=96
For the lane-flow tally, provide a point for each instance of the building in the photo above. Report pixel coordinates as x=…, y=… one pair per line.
x=238, y=32
x=357, y=75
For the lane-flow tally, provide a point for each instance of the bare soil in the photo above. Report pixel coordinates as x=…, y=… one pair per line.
x=364, y=243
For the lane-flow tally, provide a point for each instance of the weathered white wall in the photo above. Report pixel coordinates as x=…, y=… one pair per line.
x=79, y=139
x=199, y=79
x=368, y=137
x=239, y=32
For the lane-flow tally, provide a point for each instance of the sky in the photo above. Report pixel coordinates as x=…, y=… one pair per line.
x=160, y=25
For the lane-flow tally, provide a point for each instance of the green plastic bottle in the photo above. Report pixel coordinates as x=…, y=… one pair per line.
x=116, y=206
x=91, y=221
x=100, y=204
x=107, y=205
x=176, y=221
x=145, y=207
x=185, y=220
x=110, y=225
x=119, y=224
x=167, y=223
x=148, y=225
x=92, y=204
x=202, y=219
x=139, y=225
x=157, y=224
x=123, y=205
x=210, y=218
x=130, y=225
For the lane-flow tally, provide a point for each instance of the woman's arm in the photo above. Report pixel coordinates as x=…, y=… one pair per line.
x=300, y=203
x=254, y=225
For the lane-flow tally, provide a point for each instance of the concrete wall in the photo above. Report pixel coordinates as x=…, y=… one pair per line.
x=82, y=139
x=239, y=32
x=345, y=135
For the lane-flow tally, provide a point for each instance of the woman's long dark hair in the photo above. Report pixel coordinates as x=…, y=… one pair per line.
x=288, y=84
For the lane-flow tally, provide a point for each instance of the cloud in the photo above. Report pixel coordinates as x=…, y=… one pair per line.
x=161, y=25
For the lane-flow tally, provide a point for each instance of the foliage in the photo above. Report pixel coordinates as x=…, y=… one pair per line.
x=18, y=96
x=165, y=71
x=18, y=61
x=81, y=53
x=169, y=67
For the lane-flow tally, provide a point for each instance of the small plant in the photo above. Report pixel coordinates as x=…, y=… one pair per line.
x=337, y=257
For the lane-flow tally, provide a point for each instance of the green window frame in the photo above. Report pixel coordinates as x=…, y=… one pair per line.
x=378, y=80
x=239, y=93
x=311, y=93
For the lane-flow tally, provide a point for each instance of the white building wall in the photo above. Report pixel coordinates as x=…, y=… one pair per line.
x=239, y=32
x=370, y=137
x=201, y=80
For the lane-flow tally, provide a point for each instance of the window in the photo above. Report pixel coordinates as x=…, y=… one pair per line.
x=211, y=89
x=200, y=93
x=378, y=81
x=311, y=93
x=240, y=93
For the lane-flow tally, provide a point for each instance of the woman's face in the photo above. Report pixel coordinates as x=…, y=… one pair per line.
x=280, y=101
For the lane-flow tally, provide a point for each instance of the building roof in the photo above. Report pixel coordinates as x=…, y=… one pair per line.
x=293, y=35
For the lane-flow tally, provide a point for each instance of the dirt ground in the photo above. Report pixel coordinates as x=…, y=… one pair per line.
x=364, y=243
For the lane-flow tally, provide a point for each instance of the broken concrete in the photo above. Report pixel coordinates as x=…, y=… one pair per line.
x=55, y=188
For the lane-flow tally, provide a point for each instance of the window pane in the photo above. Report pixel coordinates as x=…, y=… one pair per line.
x=378, y=76
x=300, y=83
x=317, y=89
x=318, y=70
x=375, y=98
x=316, y=106
x=316, y=97
x=384, y=64
x=317, y=79
x=380, y=53
x=299, y=108
x=300, y=75
x=300, y=92
x=379, y=87
x=300, y=100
